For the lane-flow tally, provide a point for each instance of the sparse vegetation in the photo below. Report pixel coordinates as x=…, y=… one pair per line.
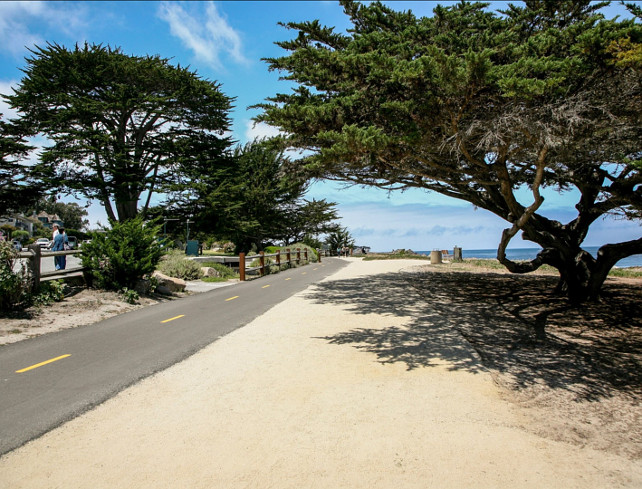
x=635, y=272
x=175, y=264
x=129, y=296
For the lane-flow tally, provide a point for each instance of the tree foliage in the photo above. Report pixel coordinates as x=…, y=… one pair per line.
x=339, y=239
x=123, y=127
x=308, y=218
x=263, y=191
x=71, y=214
x=475, y=105
x=19, y=188
x=254, y=198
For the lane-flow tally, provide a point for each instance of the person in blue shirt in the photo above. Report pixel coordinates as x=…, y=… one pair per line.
x=60, y=240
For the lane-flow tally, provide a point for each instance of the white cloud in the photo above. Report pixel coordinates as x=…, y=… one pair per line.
x=384, y=227
x=259, y=131
x=6, y=89
x=208, y=37
x=16, y=32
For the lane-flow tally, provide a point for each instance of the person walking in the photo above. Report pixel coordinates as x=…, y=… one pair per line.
x=61, y=243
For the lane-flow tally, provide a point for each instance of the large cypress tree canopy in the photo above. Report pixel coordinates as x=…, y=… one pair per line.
x=120, y=125
x=475, y=104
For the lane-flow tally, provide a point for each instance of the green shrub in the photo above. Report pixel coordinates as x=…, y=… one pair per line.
x=121, y=256
x=128, y=295
x=14, y=285
x=267, y=261
x=175, y=264
x=50, y=292
x=20, y=235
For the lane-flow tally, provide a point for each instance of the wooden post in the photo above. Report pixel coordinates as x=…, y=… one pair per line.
x=242, y=267
x=278, y=259
x=319, y=255
x=262, y=262
x=305, y=254
x=298, y=256
x=287, y=250
x=34, y=266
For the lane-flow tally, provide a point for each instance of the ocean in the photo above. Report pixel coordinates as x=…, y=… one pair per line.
x=530, y=253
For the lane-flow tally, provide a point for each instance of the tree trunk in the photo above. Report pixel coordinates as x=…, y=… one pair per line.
x=127, y=209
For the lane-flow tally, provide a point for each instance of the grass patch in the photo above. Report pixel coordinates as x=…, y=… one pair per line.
x=216, y=253
x=215, y=279
x=633, y=272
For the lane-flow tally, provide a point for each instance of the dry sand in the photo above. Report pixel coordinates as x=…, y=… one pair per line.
x=300, y=398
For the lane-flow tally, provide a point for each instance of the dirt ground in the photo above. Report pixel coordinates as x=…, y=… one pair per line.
x=575, y=371
x=378, y=378
x=82, y=306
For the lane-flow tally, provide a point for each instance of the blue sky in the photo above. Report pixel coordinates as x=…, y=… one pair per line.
x=224, y=42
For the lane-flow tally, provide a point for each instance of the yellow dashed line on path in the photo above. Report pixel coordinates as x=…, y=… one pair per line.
x=232, y=298
x=265, y=286
x=171, y=319
x=289, y=278
x=303, y=273
x=42, y=363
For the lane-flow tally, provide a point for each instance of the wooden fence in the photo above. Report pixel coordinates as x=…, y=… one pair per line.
x=289, y=257
x=35, y=254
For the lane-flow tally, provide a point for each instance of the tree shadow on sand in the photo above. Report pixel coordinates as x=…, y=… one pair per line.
x=427, y=340
x=518, y=328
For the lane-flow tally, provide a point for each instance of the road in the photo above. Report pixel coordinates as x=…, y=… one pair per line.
x=48, y=380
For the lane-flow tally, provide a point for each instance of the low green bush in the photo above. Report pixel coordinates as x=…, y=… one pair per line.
x=49, y=292
x=128, y=295
x=175, y=264
x=14, y=284
x=121, y=256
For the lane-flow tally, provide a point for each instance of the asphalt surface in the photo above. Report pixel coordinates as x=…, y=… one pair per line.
x=90, y=364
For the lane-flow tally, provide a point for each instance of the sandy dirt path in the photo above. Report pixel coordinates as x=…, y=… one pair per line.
x=285, y=403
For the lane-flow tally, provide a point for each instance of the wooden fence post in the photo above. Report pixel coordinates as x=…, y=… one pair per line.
x=319, y=255
x=278, y=258
x=305, y=254
x=262, y=262
x=287, y=250
x=242, y=267
x=34, y=266
x=298, y=256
